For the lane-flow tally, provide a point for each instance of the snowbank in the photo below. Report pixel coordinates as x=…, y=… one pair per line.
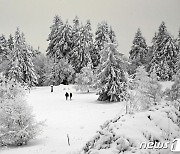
x=125, y=133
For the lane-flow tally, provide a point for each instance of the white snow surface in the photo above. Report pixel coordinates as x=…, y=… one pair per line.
x=80, y=118
x=125, y=133
x=166, y=85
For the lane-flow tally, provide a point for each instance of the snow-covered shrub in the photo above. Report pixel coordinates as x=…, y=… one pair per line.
x=59, y=72
x=85, y=79
x=146, y=91
x=155, y=89
x=17, y=123
x=174, y=92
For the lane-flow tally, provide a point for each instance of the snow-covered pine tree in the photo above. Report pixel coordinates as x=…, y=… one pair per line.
x=4, y=54
x=75, y=39
x=178, y=40
x=111, y=80
x=59, y=39
x=85, y=79
x=138, y=50
x=3, y=48
x=56, y=43
x=55, y=38
x=10, y=42
x=21, y=68
x=165, y=53
x=82, y=44
x=177, y=67
x=17, y=122
x=112, y=35
x=101, y=37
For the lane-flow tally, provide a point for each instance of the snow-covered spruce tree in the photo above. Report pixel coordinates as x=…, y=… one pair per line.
x=10, y=42
x=82, y=44
x=59, y=39
x=165, y=53
x=111, y=81
x=21, y=68
x=4, y=54
x=85, y=79
x=178, y=40
x=55, y=38
x=177, y=67
x=101, y=37
x=3, y=48
x=138, y=51
x=112, y=35
x=17, y=123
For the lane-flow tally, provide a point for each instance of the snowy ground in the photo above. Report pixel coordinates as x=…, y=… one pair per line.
x=79, y=118
x=125, y=133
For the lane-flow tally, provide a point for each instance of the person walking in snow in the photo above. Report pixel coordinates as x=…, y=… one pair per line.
x=51, y=88
x=67, y=95
x=70, y=95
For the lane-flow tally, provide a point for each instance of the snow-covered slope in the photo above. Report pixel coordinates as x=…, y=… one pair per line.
x=125, y=133
x=79, y=118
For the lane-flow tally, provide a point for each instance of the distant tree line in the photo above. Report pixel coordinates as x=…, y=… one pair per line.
x=77, y=56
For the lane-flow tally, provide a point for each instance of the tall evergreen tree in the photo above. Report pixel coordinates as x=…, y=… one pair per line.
x=178, y=56
x=101, y=37
x=55, y=39
x=3, y=48
x=178, y=40
x=138, y=50
x=112, y=35
x=10, y=42
x=82, y=43
x=165, y=53
x=60, y=41
x=55, y=49
x=21, y=68
x=111, y=81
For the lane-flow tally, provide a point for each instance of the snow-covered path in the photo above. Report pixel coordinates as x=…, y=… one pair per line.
x=79, y=118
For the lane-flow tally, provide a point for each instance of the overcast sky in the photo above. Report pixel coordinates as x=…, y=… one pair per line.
x=34, y=17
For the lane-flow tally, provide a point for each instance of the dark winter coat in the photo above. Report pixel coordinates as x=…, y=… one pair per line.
x=67, y=95
x=70, y=95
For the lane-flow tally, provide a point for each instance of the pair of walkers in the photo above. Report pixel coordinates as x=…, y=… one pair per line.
x=67, y=95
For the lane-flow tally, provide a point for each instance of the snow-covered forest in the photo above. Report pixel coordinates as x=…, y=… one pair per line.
x=117, y=102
